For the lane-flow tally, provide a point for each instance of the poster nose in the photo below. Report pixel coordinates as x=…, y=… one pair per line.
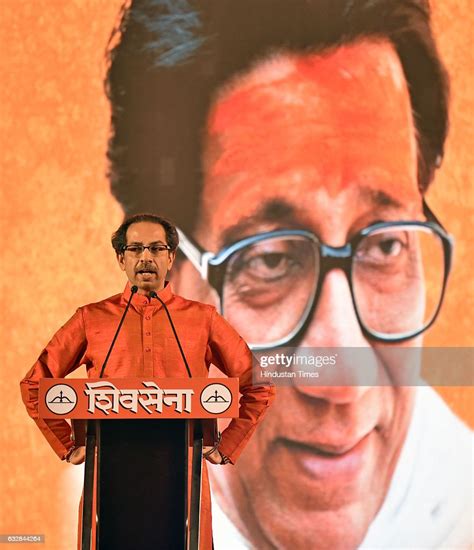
x=335, y=329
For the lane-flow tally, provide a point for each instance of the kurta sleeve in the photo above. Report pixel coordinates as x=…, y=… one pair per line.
x=229, y=352
x=62, y=355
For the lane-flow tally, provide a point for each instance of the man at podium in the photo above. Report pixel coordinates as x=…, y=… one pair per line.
x=149, y=346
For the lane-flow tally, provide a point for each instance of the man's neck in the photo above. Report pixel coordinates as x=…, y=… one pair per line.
x=146, y=292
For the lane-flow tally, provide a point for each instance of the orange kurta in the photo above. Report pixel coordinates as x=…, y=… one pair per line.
x=146, y=347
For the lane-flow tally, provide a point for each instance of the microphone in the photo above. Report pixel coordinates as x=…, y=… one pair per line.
x=153, y=294
x=197, y=431
x=133, y=290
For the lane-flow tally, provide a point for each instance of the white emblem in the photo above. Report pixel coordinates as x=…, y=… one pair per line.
x=61, y=399
x=216, y=398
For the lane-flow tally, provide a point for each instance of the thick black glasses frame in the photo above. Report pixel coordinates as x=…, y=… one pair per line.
x=162, y=248
x=213, y=268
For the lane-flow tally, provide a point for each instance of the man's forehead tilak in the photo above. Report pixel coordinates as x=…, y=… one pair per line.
x=342, y=63
x=306, y=120
x=336, y=96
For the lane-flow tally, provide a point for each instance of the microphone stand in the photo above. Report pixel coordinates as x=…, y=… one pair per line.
x=197, y=437
x=92, y=433
x=134, y=290
x=153, y=294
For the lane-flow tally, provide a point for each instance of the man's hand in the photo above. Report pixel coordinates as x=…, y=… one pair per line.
x=78, y=455
x=215, y=457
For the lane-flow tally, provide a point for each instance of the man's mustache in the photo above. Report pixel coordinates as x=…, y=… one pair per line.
x=149, y=267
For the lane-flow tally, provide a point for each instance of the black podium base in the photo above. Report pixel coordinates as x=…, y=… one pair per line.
x=142, y=474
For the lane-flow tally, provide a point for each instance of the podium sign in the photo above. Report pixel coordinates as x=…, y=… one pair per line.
x=138, y=467
x=127, y=398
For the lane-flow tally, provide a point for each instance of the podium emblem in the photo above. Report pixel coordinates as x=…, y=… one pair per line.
x=216, y=398
x=61, y=399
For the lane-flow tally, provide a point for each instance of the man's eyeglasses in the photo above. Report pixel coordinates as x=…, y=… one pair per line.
x=269, y=284
x=138, y=249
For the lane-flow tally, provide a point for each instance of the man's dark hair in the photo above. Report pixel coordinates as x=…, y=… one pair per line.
x=171, y=56
x=119, y=237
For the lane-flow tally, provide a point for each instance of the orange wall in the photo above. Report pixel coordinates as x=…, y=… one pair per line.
x=57, y=214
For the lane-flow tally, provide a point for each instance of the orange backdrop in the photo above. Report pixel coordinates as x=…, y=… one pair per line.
x=57, y=214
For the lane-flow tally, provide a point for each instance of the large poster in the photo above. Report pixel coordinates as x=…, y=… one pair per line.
x=274, y=128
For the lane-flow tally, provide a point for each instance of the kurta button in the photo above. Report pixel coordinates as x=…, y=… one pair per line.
x=147, y=349
x=148, y=333
x=147, y=317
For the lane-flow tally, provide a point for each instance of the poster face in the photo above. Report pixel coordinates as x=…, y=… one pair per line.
x=289, y=144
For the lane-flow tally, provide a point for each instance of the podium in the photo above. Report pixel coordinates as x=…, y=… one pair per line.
x=144, y=440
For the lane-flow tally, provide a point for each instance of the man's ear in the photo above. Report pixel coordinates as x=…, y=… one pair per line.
x=120, y=261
